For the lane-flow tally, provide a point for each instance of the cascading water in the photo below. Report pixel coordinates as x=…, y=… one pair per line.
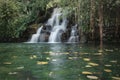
x=74, y=36
x=36, y=37
x=55, y=30
x=57, y=27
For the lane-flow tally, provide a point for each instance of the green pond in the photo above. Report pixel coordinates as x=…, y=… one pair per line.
x=62, y=61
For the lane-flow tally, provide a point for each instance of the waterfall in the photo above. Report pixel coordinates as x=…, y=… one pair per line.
x=57, y=27
x=36, y=37
x=74, y=35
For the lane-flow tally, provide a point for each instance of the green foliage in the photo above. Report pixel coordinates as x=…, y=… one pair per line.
x=15, y=14
x=8, y=18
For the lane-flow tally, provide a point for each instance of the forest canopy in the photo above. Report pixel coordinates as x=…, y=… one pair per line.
x=17, y=15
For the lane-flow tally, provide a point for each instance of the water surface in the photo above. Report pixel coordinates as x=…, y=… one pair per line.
x=43, y=61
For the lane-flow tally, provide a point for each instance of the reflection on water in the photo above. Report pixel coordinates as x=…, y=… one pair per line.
x=56, y=61
x=59, y=62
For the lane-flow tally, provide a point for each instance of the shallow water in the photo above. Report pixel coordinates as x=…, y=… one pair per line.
x=45, y=61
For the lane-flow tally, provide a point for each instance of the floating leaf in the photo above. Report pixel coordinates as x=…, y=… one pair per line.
x=108, y=65
x=7, y=63
x=86, y=72
x=100, y=51
x=98, y=54
x=113, y=61
x=84, y=53
x=75, y=52
x=14, y=57
x=31, y=57
x=93, y=64
x=50, y=52
x=42, y=62
x=116, y=78
x=50, y=74
x=47, y=58
x=70, y=58
x=21, y=67
x=12, y=73
x=92, y=77
x=66, y=53
x=107, y=70
x=54, y=59
x=109, y=50
x=86, y=59
x=88, y=66
x=46, y=52
x=80, y=47
x=34, y=56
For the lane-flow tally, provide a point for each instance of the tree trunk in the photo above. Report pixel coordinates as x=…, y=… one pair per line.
x=100, y=13
x=92, y=16
x=117, y=23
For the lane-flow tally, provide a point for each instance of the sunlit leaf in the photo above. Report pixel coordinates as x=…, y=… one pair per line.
x=92, y=77
x=107, y=70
